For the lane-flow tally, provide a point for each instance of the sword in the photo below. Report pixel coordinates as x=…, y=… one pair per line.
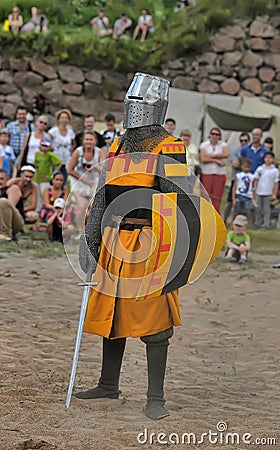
x=87, y=285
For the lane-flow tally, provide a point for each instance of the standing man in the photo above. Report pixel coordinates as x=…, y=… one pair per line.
x=134, y=219
x=89, y=123
x=29, y=192
x=18, y=129
x=11, y=209
x=111, y=132
x=170, y=125
x=254, y=151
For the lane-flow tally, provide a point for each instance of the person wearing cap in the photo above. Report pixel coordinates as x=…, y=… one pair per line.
x=121, y=27
x=6, y=152
x=29, y=192
x=63, y=139
x=11, y=209
x=238, y=241
x=59, y=226
x=31, y=143
x=45, y=159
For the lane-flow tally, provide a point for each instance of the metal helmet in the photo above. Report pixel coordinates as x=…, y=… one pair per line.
x=146, y=101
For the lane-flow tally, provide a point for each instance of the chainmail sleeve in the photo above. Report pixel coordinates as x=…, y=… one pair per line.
x=91, y=238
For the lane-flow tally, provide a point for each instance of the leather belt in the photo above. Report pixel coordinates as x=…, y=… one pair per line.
x=130, y=221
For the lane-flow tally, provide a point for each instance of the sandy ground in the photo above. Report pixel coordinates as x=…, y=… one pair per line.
x=223, y=363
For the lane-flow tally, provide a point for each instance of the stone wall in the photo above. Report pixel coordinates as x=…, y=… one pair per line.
x=242, y=59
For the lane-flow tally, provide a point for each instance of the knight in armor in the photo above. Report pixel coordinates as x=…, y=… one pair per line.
x=133, y=240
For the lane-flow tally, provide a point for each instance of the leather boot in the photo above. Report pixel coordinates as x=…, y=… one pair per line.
x=156, y=360
x=108, y=385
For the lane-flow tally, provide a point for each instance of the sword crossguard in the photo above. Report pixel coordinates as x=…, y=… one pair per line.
x=87, y=283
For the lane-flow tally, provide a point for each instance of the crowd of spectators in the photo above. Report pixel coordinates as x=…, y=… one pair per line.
x=40, y=165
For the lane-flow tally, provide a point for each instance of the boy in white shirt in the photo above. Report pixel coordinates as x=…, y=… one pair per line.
x=242, y=189
x=265, y=188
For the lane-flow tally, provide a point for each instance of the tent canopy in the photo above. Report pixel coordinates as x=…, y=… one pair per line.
x=237, y=122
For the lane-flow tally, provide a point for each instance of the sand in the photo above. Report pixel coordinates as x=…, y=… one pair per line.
x=223, y=363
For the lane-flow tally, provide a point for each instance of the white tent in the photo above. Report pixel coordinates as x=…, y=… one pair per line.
x=188, y=108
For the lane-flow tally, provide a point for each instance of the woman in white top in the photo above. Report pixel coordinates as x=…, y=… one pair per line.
x=63, y=139
x=145, y=25
x=84, y=166
x=31, y=144
x=213, y=154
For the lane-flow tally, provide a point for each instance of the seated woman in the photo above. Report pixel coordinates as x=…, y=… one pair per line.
x=37, y=23
x=51, y=193
x=145, y=25
x=15, y=20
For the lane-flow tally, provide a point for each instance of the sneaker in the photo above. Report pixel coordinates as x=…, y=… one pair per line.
x=243, y=259
x=230, y=259
x=4, y=237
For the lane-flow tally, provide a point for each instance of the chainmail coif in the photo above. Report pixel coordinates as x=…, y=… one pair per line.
x=142, y=139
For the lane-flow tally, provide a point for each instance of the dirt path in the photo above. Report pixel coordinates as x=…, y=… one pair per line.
x=223, y=363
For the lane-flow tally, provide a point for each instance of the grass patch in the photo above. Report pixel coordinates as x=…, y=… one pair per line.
x=34, y=248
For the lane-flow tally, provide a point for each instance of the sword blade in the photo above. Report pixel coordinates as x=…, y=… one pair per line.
x=86, y=291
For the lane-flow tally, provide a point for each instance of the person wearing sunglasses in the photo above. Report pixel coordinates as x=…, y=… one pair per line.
x=244, y=139
x=32, y=142
x=213, y=153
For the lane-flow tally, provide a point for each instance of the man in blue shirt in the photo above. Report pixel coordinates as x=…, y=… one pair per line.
x=255, y=151
x=18, y=129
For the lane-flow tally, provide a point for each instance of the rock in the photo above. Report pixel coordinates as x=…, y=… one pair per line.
x=260, y=29
x=43, y=69
x=235, y=31
x=229, y=71
x=1, y=61
x=181, y=82
x=52, y=87
x=218, y=78
x=28, y=94
x=230, y=86
x=275, y=45
x=5, y=64
x=275, y=21
x=78, y=105
x=19, y=64
x=72, y=88
x=257, y=44
x=247, y=72
x=118, y=96
x=207, y=58
x=272, y=60
x=276, y=89
x=251, y=59
x=94, y=76
x=276, y=100
x=208, y=86
x=28, y=79
x=175, y=65
x=6, y=77
x=9, y=110
x=231, y=58
x=223, y=43
x=91, y=90
x=15, y=99
x=253, y=85
x=244, y=93
x=266, y=74
x=71, y=74
x=6, y=89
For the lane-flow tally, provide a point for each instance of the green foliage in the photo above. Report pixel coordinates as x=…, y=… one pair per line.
x=71, y=39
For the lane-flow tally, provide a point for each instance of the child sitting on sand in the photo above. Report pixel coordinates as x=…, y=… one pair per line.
x=238, y=241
